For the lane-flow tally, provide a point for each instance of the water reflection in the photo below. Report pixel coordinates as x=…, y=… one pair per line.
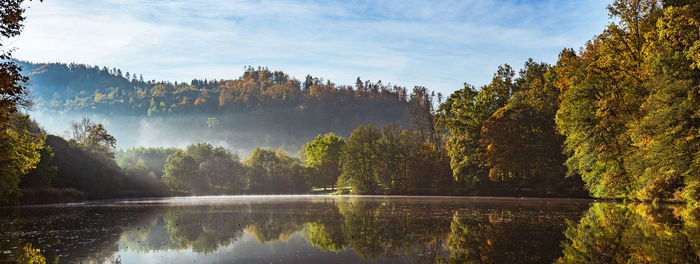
x=634, y=233
x=307, y=229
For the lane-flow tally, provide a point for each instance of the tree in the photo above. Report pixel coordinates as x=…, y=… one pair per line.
x=180, y=173
x=79, y=129
x=21, y=141
x=200, y=169
x=43, y=173
x=462, y=115
x=153, y=159
x=98, y=140
x=93, y=136
x=395, y=147
x=666, y=157
x=629, y=103
x=428, y=171
x=322, y=155
x=602, y=90
x=520, y=144
x=422, y=111
x=225, y=173
x=13, y=90
x=272, y=171
x=359, y=159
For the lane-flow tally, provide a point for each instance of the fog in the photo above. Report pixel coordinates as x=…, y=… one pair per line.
x=240, y=133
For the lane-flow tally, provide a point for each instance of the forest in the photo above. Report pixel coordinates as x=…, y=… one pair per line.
x=259, y=108
x=618, y=118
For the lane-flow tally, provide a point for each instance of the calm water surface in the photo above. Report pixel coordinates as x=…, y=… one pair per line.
x=346, y=229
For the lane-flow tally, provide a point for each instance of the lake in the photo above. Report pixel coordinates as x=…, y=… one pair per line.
x=351, y=229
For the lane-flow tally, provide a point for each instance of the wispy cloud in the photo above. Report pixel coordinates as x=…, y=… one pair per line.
x=438, y=44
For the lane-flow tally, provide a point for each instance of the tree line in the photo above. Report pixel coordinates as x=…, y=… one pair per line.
x=622, y=114
x=75, y=87
x=619, y=118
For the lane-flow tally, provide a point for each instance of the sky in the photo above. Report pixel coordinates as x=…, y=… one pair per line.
x=437, y=44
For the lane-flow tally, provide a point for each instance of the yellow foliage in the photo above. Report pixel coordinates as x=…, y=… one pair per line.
x=29, y=255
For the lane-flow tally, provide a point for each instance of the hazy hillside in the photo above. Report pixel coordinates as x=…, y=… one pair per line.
x=99, y=178
x=260, y=108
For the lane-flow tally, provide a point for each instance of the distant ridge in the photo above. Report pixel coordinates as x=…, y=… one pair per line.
x=267, y=107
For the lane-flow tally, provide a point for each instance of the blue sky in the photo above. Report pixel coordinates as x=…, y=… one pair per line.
x=437, y=44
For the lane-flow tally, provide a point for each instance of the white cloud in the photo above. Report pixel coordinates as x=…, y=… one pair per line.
x=438, y=45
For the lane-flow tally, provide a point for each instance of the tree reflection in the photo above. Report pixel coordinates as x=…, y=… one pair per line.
x=378, y=229
x=633, y=233
x=381, y=229
x=29, y=255
x=204, y=229
x=463, y=241
x=372, y=229
x=326, y=233
x=276, y=222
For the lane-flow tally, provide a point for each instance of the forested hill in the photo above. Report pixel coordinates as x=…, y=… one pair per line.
x=267, y=108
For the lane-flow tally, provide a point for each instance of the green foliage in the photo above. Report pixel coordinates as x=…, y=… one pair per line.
x=205, y=169
x=629, y=105
x=201, y=168
x=393, y=160
x=519, y=142
x=98, y=140
x=462, y=115
x=322, y=155
x=463, y=240
x=428, y=172
x=43, y=173
x=667, y=137
x=226, y=173
x=94, y=137
x=21, y=142
x=259, y=100
x=180, y=173
x=100, y=178
x=146, y=160
x=324, y=237
x=359, y=159
x=633, y=233
x=275, y=172
x=421, y=108
x=20, y=138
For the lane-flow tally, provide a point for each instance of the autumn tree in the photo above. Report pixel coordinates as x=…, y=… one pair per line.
x=630, y=103
x=21, y=141
x=666, y=157
x=519, y=142
x=13, y=90
x=462, y=115
x=93, y=136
